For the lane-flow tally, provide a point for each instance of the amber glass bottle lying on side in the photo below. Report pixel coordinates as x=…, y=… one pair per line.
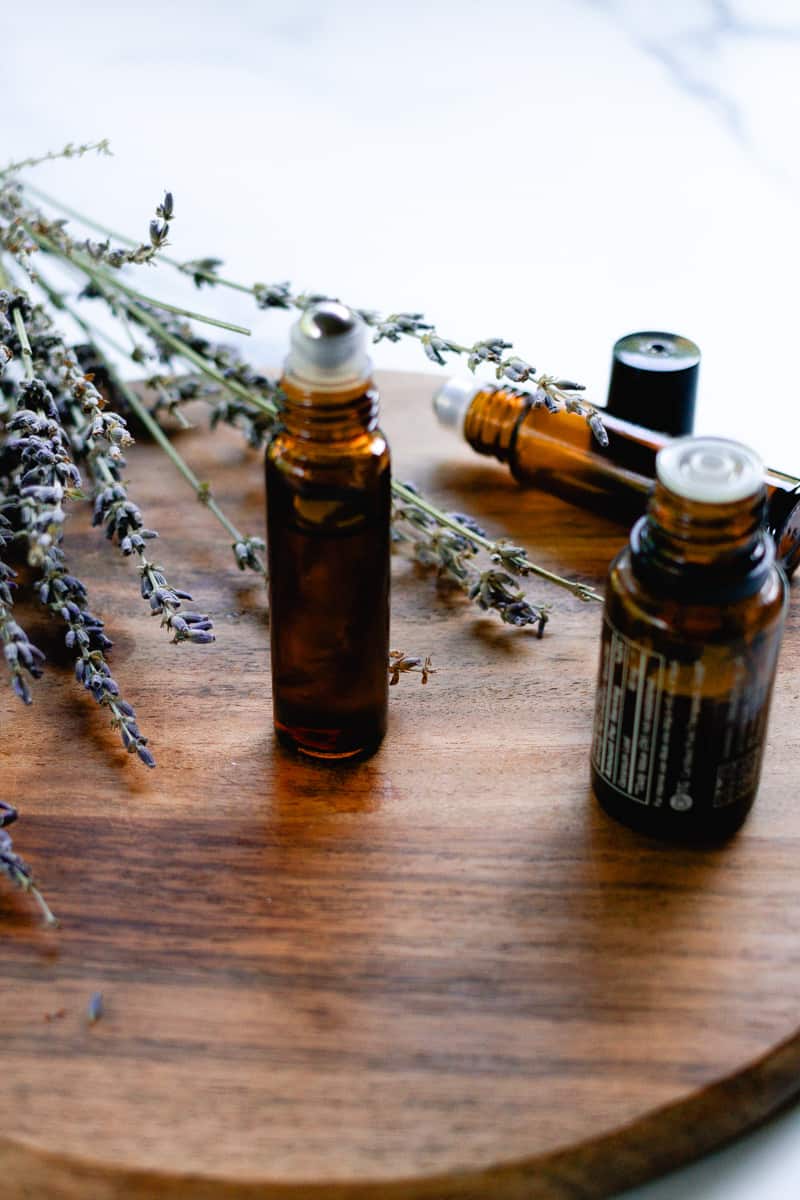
x=558, y=453
x=328, y=514
x=694, y=613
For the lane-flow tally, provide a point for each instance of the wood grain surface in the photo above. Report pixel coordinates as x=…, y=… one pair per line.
x=440, y=973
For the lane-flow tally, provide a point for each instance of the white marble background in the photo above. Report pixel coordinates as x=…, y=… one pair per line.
x=557, y=172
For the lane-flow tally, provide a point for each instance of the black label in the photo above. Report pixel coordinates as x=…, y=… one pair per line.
x=663, y=733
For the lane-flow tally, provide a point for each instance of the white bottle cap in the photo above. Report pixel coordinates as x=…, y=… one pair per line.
x=710, y=470
x=328, y=346
x=454, y=398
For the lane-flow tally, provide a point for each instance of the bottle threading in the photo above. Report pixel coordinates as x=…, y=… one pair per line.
x=557, y=452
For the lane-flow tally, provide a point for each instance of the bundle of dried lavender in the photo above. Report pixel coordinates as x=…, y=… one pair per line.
x=38, y=476
x=54, y=419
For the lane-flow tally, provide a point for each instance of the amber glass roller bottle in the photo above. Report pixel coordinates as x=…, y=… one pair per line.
x=328, y=514
x=558, y=453
x=694, y=613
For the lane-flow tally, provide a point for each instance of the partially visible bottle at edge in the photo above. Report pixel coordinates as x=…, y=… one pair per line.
x=558, y=453
x=693, y=619
x=328, y=514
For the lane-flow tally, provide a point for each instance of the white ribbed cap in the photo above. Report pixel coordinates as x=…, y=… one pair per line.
x=454, y=398
x=710, y=470
x=328, y=345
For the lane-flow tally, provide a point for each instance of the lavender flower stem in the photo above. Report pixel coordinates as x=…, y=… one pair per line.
x=98, y=274
x=25, y=346
x=559, y=393
x=581, y=590
x=518, y=561
x=523, y=563
x=159, y=436
x=113, y=281
x=99, y=227
x=190, y=355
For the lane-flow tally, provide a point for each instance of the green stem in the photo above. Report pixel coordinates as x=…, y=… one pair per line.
x=98, y=273
x=69, y=151
x=25, y=346
x=114, y=282
x=193, y=356
x=98, y=227
x=44, y=907
x=147, y=319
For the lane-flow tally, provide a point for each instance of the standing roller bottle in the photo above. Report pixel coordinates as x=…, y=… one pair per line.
x=558, y=453
x=328, y=513
x=693, y=619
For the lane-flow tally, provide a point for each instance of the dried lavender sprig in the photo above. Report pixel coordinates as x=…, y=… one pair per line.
x=45, y=451
x=247, y=549
x=451, y=549
x=40, y=231
x=68, y=151
x=65, y=597
x=560, y=393
x=44, y=473
x=98, y=440
x=22, y=218
x=511, y=557
x=401, y=663
x=123, y=524
x=13, y=866
x=37, y=446
x=21, y=656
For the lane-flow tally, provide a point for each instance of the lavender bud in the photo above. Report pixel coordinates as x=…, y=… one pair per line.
x=598, y=429
x=145, y=756
x=21, y=688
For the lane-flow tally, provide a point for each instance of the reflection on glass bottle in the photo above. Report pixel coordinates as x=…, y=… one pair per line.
x=693, y=618
x=558, y=453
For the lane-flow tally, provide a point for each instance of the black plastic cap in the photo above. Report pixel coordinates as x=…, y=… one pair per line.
x=654, y=381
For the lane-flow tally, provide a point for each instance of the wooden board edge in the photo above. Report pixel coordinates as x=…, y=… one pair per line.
x=654, y=1144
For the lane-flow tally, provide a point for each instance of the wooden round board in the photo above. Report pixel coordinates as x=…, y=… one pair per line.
x=440, y=973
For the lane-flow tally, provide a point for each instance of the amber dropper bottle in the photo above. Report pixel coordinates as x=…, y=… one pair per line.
x=694, y=613
x=558, y=453
x=328, y=514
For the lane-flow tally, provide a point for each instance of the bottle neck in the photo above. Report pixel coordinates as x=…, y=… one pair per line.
x=684, y=546
x=492, y=419
x=314, y=414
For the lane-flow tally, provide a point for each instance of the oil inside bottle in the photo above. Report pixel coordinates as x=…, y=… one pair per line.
x=329, y=572
x=328, y=517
